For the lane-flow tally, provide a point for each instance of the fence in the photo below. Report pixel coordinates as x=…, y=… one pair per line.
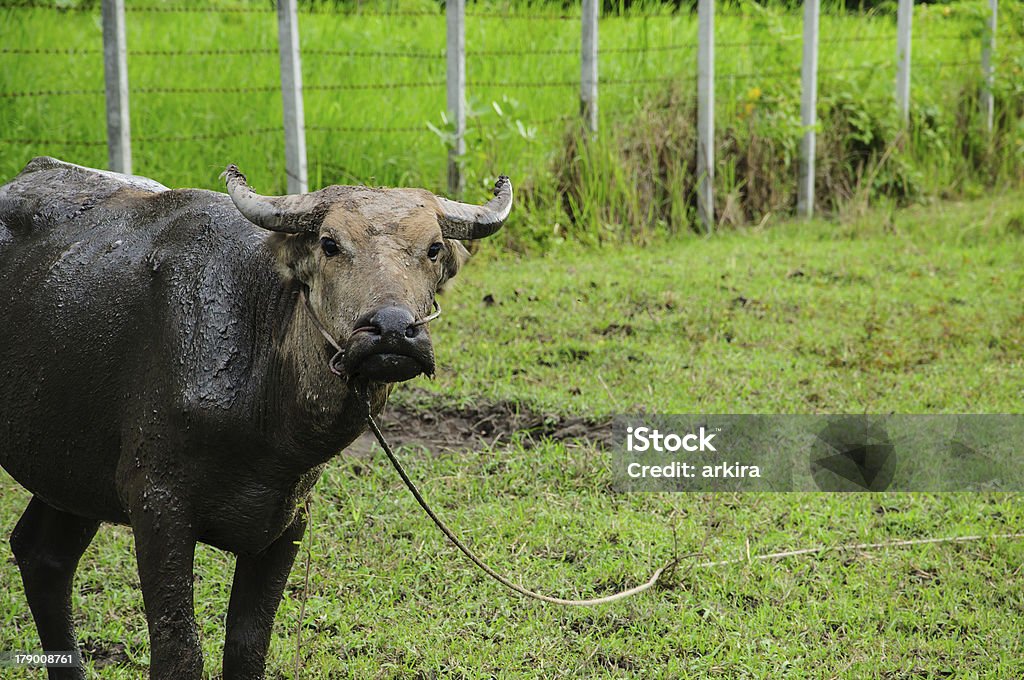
x=292, y=90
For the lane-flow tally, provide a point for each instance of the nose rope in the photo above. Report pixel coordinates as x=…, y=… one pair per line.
x=503, y=580
x=334, y=363
x=427, y=319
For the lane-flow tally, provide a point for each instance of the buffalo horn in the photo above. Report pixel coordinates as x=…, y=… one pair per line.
x=292, y=214
x=468, y=221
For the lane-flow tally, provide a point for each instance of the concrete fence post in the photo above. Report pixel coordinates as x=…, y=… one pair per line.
x=808, y=109
x=115, y=73
x=706, y=113
x=456, y=19
x=291, y=97
x=588, y=61
x=988, y=104
x=904, y=22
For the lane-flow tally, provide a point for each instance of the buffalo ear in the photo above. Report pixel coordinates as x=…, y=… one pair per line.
x=453, y=256
x=294, y=254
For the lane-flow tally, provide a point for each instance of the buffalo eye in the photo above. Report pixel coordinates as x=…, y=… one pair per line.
x=330, y=247
x=434, y=250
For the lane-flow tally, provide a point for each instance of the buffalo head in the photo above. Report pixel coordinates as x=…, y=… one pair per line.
x=370, y=262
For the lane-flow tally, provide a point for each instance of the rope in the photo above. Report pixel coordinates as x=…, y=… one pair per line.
x=488, y=570
x=654, y=579
x=900, y=543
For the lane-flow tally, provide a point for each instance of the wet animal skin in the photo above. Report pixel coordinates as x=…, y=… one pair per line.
x=157, y=369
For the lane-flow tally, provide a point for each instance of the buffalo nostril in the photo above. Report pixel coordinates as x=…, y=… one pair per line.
x=392, y=322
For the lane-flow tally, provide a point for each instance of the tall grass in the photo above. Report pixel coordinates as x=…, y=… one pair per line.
x=633, y=182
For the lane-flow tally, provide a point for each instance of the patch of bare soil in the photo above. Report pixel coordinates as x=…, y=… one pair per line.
x=483, y=425
x=100, y=655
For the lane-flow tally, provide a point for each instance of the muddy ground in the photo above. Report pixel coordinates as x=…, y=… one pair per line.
x=483, y=425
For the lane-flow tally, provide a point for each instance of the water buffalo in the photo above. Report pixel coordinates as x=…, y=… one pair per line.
x=167, y=362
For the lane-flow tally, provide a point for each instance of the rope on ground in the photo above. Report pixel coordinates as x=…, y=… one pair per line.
x=852, y=547
x=592, y=602
x=668, y=568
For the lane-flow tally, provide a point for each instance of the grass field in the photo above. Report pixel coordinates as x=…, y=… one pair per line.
x=374, y=98
x=910, y=311
x=884, y=308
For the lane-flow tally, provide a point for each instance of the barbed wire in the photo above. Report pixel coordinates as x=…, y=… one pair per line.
x=207, y=90
x=944, y=64
x=197, y=9
x=183, y=9
x=924, y=38
x=647, y=81
x=943, y=38
x=551, y=120
x=383, y=53
x=414, y=84
x=175, y=139
x=41, y=5
x=521, y=53
x=201, y=53
x=619, y=114
x=495, y=16
x=857, y=39
x=883, y=67
x=369, y=130
x=55, y=142
x=50, y=93
x=360, y=54
x=311, y=128
x=66, y=52
x=325, y=87
x=669, y=16
x=130, y=8
x=747, y=75
x=748, y=43
x=522, y=17
x=654, y=48
x=410, y=54
x=538, y=84
x=554, y=84
x=247, y=132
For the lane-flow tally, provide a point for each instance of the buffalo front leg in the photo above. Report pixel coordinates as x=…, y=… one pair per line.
x=47, y=544
x=165, y=547
x=255, y=595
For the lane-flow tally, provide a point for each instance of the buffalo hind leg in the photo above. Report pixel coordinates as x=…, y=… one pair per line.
x=47, y=544
x=255, y=595
x=165, y=547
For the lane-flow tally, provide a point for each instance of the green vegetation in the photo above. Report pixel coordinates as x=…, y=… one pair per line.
x=915, y=312
x=910, y=311
x=634, y=183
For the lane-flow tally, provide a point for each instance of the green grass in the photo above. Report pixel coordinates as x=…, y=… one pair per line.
x=647, y=69
x=906, y=311
x=912, y=312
